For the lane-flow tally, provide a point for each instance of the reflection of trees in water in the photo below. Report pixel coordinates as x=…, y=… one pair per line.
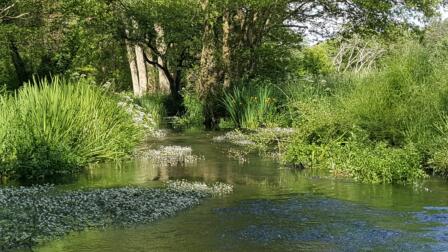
x=385, y=196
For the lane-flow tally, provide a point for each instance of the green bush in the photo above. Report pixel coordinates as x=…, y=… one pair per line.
x=360, y=160
x=439, y=149
x=399, y=103
x=193, y=118
x=384, y=126
x=50, y=128
x=377, y=164
x=317, y=61
x=439, y=161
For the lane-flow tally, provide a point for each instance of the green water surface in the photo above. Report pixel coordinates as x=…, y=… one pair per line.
x=272, y=209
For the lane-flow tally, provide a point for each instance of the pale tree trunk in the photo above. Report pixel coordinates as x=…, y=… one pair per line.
x=207, y=73
x=164, y=83
x=141, y=68
x=226, y=49
x=133, y=68
x=151, y=71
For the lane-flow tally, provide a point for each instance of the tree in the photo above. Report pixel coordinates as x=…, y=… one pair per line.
x=7, y=12
x=165, y=45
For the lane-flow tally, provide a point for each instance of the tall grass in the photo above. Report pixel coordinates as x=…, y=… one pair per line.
x=251, y=107
x=56, y=127
x=401, y=102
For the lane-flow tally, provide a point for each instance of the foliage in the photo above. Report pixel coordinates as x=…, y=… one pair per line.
x=193, y=118
x=316, y=61
x=229, y=41
x=154, y=104
x=3, y=89
x=400, y=103
x=378, y=163
x=438, y=148
x=360, y=160
x=382, y=126
x=49, y=128
x=251, y=107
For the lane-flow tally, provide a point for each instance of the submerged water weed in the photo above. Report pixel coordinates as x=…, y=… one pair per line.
x=31, y=215
x=170, y=155
x=217, y=189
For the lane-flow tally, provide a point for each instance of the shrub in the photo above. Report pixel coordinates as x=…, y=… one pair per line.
x=50, y=128
x=377, y=163
x=317, y=61
x=439, y=161
x=439, y=150
x=364, y=162
x=399, y=103
x=375, y=127
x=193, y=117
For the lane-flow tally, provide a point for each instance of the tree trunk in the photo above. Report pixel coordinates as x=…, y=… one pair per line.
x=152, y=71
x=226, y=49
x=207, y=73
x=133, y=68
x=141, y=68
x=22, y=74
x=164, y=83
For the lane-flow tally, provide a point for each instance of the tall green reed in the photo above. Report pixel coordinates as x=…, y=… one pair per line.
x=250, y=107
x=57, y=127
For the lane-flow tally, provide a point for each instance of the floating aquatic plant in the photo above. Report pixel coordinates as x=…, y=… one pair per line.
x=29, y=215
x=217, y=189
x=170, y=155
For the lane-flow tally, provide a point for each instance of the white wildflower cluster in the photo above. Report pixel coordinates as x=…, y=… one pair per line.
x=277, y=131
x=139, y=116
x=159, y=133
x=235, y=137
x=216, y=189
x=171, y=155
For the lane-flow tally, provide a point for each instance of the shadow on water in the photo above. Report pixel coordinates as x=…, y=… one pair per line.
x=272, y=209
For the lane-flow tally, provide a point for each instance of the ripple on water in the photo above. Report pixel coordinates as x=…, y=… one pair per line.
x=333, y=225
x=436, y=219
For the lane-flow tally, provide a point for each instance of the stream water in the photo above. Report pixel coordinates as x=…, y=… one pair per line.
x=272, y=209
